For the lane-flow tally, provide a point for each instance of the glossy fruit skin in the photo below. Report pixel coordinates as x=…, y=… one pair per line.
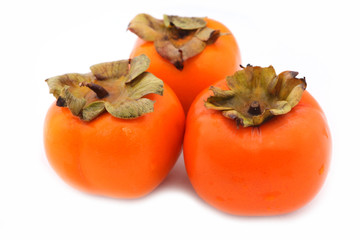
x=121, y=158
x=257, y=171
x=217, y=61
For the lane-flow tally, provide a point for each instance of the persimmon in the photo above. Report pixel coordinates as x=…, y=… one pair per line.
x=257, y=143
x=189, y=54
x=116, y=131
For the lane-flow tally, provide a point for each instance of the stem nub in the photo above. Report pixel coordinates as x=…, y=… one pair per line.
x=254, y=108
x=99, y=90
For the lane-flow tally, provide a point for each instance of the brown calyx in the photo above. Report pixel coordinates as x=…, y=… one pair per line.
x=256, y=94
x=175, y=38
x=116, y=87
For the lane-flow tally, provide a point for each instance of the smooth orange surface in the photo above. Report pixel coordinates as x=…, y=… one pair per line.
x=116, y=157
x=217, y=61
x=268, y=170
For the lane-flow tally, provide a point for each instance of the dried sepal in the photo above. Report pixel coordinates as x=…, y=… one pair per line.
x=146, y=27
x=92, y=110
x=144, y=84
x=256, y=94
x=175, y=38
x=56, y=84
x=74, y=100
x=116, y=87
x=185, y=23
x=130, y=109
x=108, y=70
x=138, y=65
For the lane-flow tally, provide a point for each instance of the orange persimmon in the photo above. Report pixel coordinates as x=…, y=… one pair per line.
x=260, y=145
x=179, y=58
x=125, y=138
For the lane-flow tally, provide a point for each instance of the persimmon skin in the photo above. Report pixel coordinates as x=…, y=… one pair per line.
x=272, y=169
x=121, y=158
x=217, y=61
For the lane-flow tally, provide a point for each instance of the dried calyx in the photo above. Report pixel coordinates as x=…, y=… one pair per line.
x=256, y=94
x=175, y=38
x=116, y=87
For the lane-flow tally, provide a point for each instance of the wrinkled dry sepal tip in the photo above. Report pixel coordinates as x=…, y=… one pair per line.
x=116, y=87
x=257, y=94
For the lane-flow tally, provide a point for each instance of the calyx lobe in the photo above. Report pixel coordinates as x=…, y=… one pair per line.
x=175, y=38
x=256, y=94
x=116, y=87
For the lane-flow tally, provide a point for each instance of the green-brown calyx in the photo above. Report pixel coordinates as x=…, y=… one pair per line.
x=175, y=38
x=116, y=87
x=256, y=94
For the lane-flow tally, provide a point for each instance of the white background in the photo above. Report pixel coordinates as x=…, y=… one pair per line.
x=40, y=39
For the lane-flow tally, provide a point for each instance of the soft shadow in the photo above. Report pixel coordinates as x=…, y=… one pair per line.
x=177, y=179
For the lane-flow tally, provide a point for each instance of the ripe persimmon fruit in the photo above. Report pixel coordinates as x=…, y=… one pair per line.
x=260, y=145
x=116, y=131
x=189, y=54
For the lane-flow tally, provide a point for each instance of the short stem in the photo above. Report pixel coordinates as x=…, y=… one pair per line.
x=254, y=108
x=99, y=90
x=180, y=64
